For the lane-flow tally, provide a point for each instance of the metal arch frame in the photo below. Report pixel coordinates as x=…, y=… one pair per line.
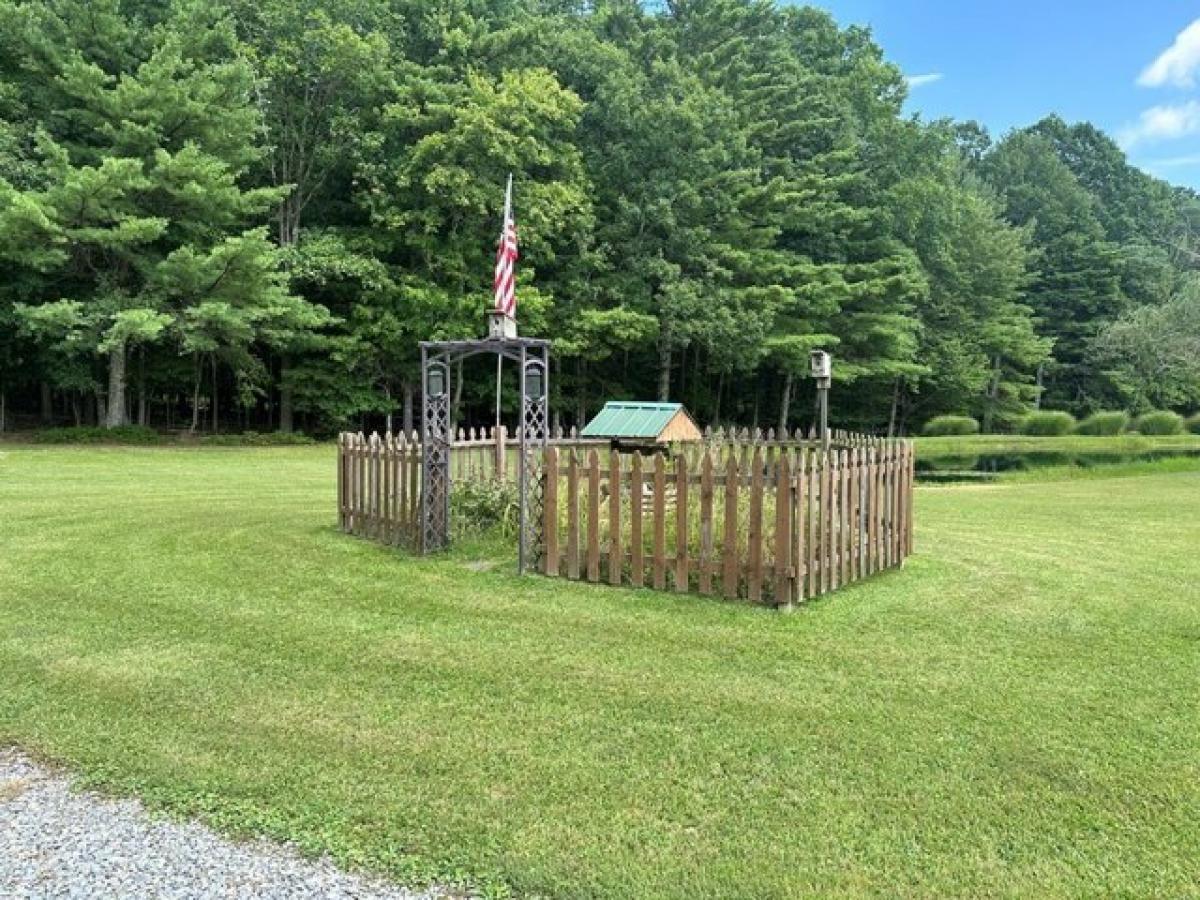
x=532, y=356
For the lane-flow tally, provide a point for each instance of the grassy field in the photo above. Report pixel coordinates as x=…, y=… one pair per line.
x=1014, y=714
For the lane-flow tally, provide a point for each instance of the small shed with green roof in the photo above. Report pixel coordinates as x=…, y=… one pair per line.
x=634, y=422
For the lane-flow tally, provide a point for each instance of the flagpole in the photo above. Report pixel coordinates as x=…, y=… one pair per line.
x=503, y=235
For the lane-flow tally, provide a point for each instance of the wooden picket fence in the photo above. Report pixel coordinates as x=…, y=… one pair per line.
x=741, y=515
x=379, y=488
x=379, y=476
x=775, y=524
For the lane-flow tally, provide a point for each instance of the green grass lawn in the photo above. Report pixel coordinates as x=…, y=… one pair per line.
x=1014, y=714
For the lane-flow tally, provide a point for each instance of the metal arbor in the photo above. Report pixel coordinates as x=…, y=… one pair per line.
x=438, y=359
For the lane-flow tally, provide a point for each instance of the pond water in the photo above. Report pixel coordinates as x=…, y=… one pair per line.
x=987, y=466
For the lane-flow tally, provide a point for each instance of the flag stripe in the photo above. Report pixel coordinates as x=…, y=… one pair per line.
x=504, y=282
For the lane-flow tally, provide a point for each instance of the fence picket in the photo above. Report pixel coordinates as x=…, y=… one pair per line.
x=550, y=512
x=593, y=517
x=659, y=563
x=783, y=533
x=729, y=540
x=754, y=531
x=616, y=559
x=706, y=524
x=637, y=562
x=573, y=516
x=682, y=575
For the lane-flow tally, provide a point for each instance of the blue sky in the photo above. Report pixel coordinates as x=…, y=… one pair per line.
x=1131, y=68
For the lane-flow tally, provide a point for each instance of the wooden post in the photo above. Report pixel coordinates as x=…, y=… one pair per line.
x=754, y=542
x=681, y=524
x=573, y=516
x=729, y=536
x=593, y=517
x=637, y=562
x=500, y=434
x=550, y=513
x=783, y=534
x=659, y=563
x=616, y=559
x=706, y=524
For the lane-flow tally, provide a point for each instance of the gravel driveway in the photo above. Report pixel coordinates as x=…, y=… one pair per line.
x=58, y=844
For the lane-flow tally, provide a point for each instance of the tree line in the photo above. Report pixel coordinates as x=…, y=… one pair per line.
x=245, y=214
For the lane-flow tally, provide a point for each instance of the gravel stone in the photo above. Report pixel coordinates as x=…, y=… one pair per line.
x=58, y=844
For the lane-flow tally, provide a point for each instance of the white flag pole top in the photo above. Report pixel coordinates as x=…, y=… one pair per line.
x=504, y=299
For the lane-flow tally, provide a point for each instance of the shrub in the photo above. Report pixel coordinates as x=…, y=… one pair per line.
x=479, y=506
x=126, y=434
x=1048, y=423
x=945, y=426
x=1103, y=423
x=1193, y=423
x=257, y=439
x=1160, y=421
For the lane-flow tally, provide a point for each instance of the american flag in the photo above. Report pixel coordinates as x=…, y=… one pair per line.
x=504, y=286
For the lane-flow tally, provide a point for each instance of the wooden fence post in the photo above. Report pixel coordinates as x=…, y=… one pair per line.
x=593, y=517
x=550, y=512
x=573, y=516
x=659, y=562
x=755, y=529
x=681, y=524
x=637, y=562
x=783, y=533
x=706, y=524
x=616, y=559
x=729, y=536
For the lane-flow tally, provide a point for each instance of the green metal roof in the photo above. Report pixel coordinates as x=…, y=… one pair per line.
x=630, y=419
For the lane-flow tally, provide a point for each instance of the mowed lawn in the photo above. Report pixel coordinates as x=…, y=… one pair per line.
x=1016, y=713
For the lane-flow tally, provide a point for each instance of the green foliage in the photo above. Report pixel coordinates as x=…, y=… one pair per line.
x=481, y=505
x=1103, y=423
x=1193, y=423
x=1159, y=422
x=260, y=206
x=943, y=426
x=126, y=434
x=258, y=439
x=1048, y=423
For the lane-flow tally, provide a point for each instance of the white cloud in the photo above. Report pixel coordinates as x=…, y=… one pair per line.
x=1177, y=64
x=1162, y=123
x=916, y=81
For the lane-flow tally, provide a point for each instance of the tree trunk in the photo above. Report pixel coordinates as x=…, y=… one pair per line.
x=196, y=392
x=3, y=409
x=895, y=409
x=664, y=367
x=115, y=414
x=76, y=413
x=456, y=404
x=47, y=404
x=408, y=408
x=716, y=419
x=285, y=394
x=784, y=403
x=142, y=410
x=99, y=417
x=581, y=393
x=993, y=397
x=387, y=392
x=215, y=405
x=1037, y=397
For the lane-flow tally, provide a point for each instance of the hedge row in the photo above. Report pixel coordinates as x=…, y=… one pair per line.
x=1057, y=423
